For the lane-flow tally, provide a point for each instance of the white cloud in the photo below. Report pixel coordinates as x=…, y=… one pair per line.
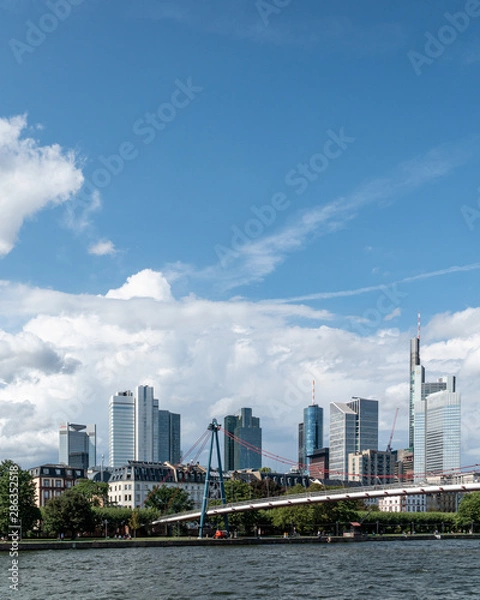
x=257, y=258
x=145, y=284
x=102, y=248
x=68, y=353
x=32, y=177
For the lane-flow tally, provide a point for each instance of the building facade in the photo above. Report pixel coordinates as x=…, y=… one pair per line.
x=52, y=480
x=131, y=484
x=169, y=437
x=140, y=431
x=77, y=445
x=353, y=428
x=242, y=441
x=121, y=428
x=310, y=434
x=372, y=467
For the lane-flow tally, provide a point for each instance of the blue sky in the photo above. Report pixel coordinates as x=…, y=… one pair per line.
x=360, y=156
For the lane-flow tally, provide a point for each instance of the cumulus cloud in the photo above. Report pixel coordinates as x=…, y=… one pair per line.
x=145, y=284
x=102, y=248
x=32, y=177
x=68, y=353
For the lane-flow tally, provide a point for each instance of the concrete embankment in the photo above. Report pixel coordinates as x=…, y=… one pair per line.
x=162, y=542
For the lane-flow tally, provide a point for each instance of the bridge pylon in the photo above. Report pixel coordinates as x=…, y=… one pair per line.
x=214, y=427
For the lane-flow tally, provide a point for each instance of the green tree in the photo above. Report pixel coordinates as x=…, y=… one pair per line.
x=17, y=489
x=96, y=492
x=469, y=509
x=169, y=500
x=69, y=513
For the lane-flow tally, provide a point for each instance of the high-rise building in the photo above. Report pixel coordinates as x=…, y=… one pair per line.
x=310, y=434
x=372, y=467
x=146, y=425
x=436, y=421
x=246, y=452
x=121, y=428
x=139, y=431
x=353, y=428
x=77, y=445
x=169, y=437
x=437, y=429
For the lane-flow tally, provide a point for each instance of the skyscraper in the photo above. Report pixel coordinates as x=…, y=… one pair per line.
x=437, y=428
x=121, y=428
x=246, y=428
x=353, y=428
x=310, y=433
x=77, y=445
x=169, y=437
x=139, y=431
x=146, y=424
x=436, y=420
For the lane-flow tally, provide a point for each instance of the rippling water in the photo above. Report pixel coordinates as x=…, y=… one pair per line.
x=410, y=570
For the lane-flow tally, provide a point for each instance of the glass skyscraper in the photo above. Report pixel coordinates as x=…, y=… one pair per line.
x=436, y=422
x=246, y=428
x=169, y=437
x=310, y=434
x=353, y=428
x=77, y=445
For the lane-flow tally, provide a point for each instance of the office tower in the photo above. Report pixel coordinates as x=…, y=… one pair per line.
x=135, y=423
x=415, y=373
x=121, y=428
x=244, y=452
x=146, y=425
x=77, y=445
x=353, y=428
x=310, y=434
x=437, y=428
x=169, y=437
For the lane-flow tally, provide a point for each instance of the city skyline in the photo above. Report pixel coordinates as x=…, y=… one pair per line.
x=225, y=206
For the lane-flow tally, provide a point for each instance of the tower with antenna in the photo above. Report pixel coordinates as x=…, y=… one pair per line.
x=310, y=432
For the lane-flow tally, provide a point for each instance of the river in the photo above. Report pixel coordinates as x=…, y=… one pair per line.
x=410, y=570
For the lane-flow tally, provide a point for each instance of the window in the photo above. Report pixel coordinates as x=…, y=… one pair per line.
x=46, y=483
x=58, y=483
x=68, y=484
x=46, y=494
x=69, y=471
x=58, y=472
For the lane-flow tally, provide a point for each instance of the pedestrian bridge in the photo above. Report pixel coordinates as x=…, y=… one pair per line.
x=335, y=495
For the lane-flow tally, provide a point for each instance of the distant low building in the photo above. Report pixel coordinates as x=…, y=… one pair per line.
x=131, y=484
x=52, y=480
x=411, y=503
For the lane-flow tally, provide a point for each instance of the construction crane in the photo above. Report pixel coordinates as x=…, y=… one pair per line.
x=389, y=447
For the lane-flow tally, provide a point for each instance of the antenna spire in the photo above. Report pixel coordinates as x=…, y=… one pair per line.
x=419, y=325
x=313, y=392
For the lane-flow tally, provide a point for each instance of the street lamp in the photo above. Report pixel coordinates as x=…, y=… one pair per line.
x=106, y=528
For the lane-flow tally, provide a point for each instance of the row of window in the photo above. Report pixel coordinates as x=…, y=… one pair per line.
x=58, y=483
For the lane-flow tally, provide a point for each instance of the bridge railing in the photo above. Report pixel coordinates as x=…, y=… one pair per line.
x=306, y=494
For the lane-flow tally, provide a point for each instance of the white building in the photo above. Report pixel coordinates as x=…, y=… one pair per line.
x=411, y=503
x=131, y=484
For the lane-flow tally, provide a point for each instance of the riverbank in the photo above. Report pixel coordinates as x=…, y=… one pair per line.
x=86, y=544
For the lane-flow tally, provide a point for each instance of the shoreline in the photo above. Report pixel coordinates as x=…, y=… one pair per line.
x=247, y=541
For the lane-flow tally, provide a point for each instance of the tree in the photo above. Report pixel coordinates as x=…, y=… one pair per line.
x=17, y=499
x=71, y=512
x=469, y=509
x=96, y=492
x=169, y=500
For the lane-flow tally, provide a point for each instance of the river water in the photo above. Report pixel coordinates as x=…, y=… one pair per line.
x=410, y=570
